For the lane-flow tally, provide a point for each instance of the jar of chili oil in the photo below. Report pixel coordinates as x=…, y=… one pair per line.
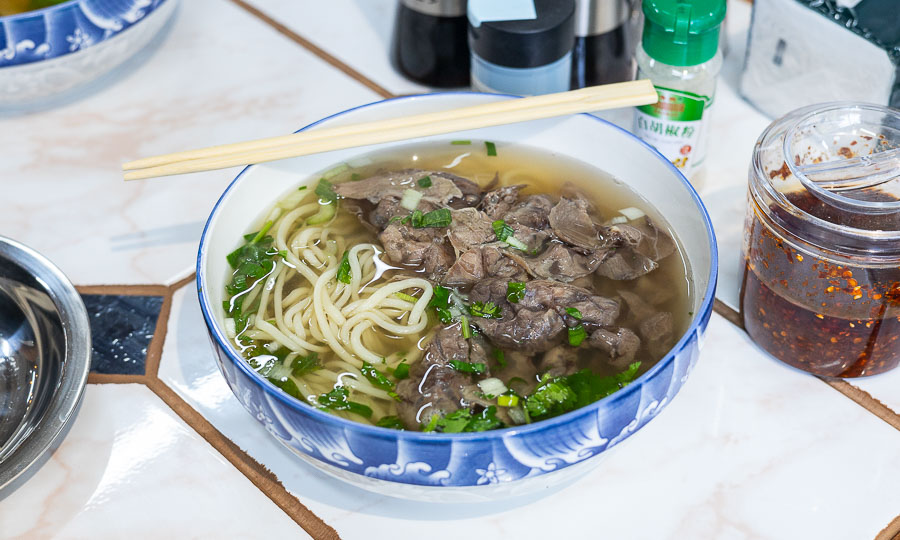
x=821, y=248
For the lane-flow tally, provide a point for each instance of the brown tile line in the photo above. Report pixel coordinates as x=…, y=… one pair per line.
x=321, y=53
x=891, y=532
x=130, y=290
x=154, y=350
x=260, y=476
x=861, y=397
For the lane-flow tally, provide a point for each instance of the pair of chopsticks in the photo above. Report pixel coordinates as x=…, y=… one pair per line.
x=508, y=111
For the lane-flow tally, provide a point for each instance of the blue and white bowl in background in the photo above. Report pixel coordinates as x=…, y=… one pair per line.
x=47, y=52
x=467, y=466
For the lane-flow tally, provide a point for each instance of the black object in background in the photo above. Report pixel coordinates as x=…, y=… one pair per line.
x=604, y=43
x=430, y=44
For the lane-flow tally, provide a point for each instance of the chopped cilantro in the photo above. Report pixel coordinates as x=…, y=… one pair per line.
x=486, y=310
x=574, y=312
x=577, y=335
x=325, y=191
x=343, y=273
x=302, y=365
x=558, y=395
x=338, y=400
x=378, y=379
x=391, y=422
x=515, y=290
x=287, y=385
x=463, y=420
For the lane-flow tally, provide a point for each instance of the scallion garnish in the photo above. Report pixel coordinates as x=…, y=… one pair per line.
x=508, y=400
x=408, y=297
x=401, y=371
x=465, y=367
x=338, y=400
x=436, y=218
x=325, y=191
x=491, y=148
x=574, y=312
x=425, y=182
x=343, y=273
x=466, y=329
x=461, y=142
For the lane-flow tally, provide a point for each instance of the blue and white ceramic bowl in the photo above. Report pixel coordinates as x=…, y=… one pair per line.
x=49, y=51
x=469, y=466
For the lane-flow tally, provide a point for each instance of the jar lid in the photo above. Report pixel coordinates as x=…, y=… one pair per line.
x=682, y=32
x=526, y=43
x=830, y=175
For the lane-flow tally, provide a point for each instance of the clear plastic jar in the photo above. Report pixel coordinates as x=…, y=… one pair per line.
x=821, y=248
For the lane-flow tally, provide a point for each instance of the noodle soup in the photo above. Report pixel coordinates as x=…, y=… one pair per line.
x=457, y=287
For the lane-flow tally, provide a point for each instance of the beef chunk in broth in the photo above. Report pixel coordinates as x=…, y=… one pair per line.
x=392, y=184
x=639, y=248
x=621, y=345
x=495, y=204
x=434, y=386
x=412, y=247
x=482, y=262
x=656, y=327
x=536, y=323
x=558, y=262
x=558, y=361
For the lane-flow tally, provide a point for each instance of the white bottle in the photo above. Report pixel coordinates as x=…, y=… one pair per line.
x=679, y=54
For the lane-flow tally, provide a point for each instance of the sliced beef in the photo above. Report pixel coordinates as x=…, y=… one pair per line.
x=412, y=247
x=498, y=202
x=470, y=228
x=558, y=361
x=572, y=223
x=558, y=262
x=533, y=212
x=656, y=327
x=471, y=192
x=639, y=246
x=537, y=322
x=621, y=345
x=434, y=386
x=392, y=184
x=482, y=262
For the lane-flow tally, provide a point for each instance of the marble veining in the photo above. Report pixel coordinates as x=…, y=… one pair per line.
x=121, y=329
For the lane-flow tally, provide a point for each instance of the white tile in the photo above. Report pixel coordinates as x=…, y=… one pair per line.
x=214, y=79
x=130, y=468
x=749, y=449
x=358, y=32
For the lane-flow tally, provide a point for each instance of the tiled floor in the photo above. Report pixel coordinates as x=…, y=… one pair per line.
x=750, y=449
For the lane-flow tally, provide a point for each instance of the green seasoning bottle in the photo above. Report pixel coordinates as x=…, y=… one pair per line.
x=679, y=53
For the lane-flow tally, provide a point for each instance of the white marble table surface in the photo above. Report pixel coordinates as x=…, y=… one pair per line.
x=749, y=449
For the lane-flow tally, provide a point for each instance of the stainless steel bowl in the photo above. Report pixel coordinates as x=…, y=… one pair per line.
x=45, y=356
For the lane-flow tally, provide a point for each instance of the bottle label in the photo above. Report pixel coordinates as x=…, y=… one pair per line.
x=676, y=126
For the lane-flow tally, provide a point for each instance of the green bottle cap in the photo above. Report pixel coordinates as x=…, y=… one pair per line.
x=682, y=32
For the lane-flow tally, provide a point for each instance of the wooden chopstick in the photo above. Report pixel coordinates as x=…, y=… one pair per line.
x=508, y=111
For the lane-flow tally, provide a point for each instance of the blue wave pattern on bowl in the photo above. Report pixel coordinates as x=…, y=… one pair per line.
x=430, y=460
x=67, y=28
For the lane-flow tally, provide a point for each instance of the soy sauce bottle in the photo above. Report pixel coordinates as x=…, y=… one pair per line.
x=604, y=42
x=430, y=43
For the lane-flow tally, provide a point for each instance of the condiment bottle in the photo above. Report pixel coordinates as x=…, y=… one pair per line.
x=821, y=252
x=679, y=52
x=603, y=51
x=525, y=56
x=430, y=43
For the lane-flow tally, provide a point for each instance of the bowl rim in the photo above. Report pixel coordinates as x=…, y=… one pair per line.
x=431, y=437
x=69, y=392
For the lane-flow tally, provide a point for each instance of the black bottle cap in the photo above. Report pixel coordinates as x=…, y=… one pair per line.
x=527, y=43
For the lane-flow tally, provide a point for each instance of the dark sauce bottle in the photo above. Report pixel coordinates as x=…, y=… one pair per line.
x=430, y=43
x=604, y=43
